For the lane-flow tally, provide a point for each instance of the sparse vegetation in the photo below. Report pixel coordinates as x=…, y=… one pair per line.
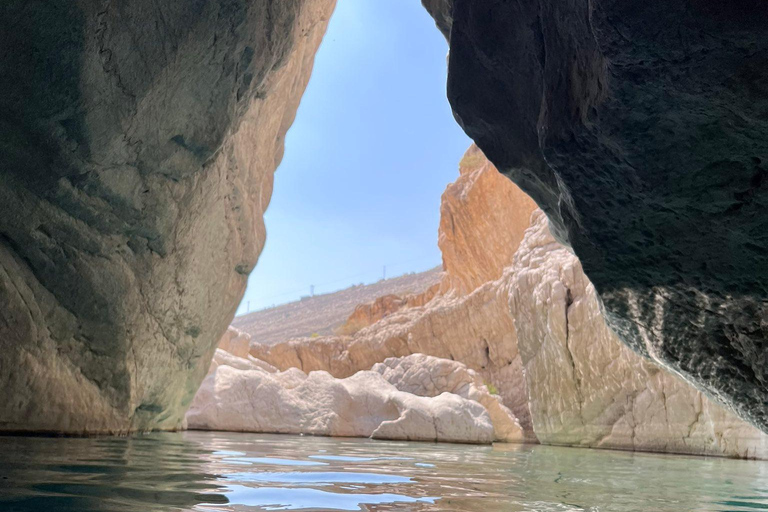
x=491, y=388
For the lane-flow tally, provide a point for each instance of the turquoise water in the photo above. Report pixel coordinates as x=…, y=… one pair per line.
x=196, y=471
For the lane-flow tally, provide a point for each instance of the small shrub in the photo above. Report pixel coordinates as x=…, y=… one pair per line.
x=491, y=388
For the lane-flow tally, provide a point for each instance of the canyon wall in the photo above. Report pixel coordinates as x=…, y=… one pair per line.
x=640, y=128
x=444, y=321
x=137, y=148
x=537, y=334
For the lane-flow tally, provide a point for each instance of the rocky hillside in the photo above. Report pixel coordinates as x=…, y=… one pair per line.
x=325, y=314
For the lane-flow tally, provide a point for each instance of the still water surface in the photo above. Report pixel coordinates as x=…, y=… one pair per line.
x=196, y=471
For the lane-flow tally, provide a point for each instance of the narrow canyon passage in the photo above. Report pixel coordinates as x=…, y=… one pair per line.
x=603, y=279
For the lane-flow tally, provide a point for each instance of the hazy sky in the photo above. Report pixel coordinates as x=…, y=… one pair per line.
x=373, y=146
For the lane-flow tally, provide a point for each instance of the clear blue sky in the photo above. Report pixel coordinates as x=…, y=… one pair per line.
x=373, y=146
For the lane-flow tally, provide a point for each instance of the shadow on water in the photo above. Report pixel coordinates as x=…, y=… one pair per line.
x=196, y=471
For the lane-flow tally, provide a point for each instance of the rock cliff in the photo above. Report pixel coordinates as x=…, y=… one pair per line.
x=585, y=387
x=137, y=148
x=640, y=129
x=445, y=321
x=537, y=334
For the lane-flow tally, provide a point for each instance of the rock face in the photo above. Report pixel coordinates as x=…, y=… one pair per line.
x=585, y=387
x=236, y=343
x=423, y=375
x=239, y=395
x=478, y=211
x=137, y=149
x=473, y=328
x=538, y=335
x=640, y=129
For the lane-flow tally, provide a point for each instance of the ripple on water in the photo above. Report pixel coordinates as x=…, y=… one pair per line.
x=206, y=472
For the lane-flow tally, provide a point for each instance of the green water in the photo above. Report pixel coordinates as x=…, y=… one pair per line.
x=196, y=471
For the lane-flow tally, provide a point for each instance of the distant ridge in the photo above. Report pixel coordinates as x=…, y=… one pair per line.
x=323, y=314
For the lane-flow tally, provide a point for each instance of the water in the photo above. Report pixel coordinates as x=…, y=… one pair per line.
x=207, y=472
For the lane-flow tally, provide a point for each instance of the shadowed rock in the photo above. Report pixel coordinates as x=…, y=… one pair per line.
x=137, y=145
x=640, y=129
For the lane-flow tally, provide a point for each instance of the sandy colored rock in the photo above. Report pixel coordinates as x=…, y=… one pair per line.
x=588, y=389
x=236, y=342
x=138, y=145
x=464, y=319
x=370, y=313
x=475, y=330
x=424, y=375
x=483, y=217
x=246, y=398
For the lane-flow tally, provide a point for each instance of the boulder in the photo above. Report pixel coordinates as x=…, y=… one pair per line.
x=240, y=396
x=236, y=342
x=137, y=145
x=424, y=375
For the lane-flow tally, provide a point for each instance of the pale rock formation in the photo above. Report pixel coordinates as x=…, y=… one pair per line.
x=483, y=217
x=588, y=389
x=236, y=342
x=476, y=330
x=241, y=396
x=424, y=375
x=138, y=144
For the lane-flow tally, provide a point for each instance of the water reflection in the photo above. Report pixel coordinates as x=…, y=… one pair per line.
x=197, y=471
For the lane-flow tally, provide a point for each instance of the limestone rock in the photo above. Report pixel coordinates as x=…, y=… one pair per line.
x=236, y=342
x=370, y=313
x=137, y=145
x=476, y=330
x=246, y=398
x=424, y=375
x=640, y=129
x=483, y=217
x=465, y=318
x=585, y=387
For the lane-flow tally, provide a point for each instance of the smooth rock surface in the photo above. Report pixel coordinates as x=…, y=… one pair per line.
x=640, y=128
x=424, y=375
x=239, y=396
x=585, y=387
x=137, y=145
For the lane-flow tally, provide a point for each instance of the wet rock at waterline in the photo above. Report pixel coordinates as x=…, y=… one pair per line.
x=137, y=148
x=243, y=395
x=640, y=129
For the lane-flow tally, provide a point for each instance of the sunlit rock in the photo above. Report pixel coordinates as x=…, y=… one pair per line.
x=449, y=322
x=240, y=396
x=586, y=388
x=235, y=342
x=424, y=375
x=137, y=145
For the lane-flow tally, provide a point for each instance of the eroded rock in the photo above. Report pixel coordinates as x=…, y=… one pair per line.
x=585, y=387
x=640, y=129
x=240, y=396
x=137, y=148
